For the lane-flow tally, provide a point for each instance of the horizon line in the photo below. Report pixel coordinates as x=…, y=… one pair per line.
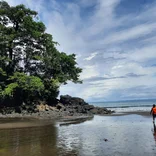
x=122, y=100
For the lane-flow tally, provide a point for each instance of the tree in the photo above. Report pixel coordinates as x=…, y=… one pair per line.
x=30, y=64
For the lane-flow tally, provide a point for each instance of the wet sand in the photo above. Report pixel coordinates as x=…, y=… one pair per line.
x=25, y=122
x=21, y=122
x=143, y=113
x=128, y=134
x=15, y=123
x=124, y=135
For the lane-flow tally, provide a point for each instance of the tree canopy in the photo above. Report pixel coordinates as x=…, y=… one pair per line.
x=31, y=67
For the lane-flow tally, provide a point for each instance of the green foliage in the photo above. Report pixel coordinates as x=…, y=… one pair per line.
x=30, y=65
x=51, y=89
x=30, y=83
x=2, y=72
x=28, y=87
x=9, y=90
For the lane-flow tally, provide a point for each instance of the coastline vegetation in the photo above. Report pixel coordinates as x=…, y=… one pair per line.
x=31, y=67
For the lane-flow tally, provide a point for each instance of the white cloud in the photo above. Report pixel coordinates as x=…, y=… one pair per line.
x=89, y=71
x=36, y=5
x=143, y=54
x=131, y=33
x=104, y=17
x=91, y=56
x=131, y=67
x=107, y=45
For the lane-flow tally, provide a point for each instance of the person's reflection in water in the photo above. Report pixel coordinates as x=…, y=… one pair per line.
x=154, y=132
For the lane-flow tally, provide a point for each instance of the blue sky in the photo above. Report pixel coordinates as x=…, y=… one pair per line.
x=115, y=44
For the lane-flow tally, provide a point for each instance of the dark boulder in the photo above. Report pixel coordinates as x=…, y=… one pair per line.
x=88, y=107
x=65, y=99
x=60, y=106
x=68, y=100
x=81, y=109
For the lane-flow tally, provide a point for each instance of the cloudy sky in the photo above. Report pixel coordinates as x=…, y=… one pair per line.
x=114, y=40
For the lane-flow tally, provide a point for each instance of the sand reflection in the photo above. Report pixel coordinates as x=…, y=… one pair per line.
x=28, y=141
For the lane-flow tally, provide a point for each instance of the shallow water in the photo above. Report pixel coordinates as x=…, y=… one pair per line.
x=127, y=135
x=130, y=135
x=34, y=138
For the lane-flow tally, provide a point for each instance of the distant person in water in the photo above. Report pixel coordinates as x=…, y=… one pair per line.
x=153, y=112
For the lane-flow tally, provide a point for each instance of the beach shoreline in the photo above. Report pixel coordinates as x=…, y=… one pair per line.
x=142, y=113
x=116, y=134
x=17, y=120
x=63, y=120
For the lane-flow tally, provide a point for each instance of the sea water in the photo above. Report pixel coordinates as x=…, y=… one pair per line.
x=126, y=106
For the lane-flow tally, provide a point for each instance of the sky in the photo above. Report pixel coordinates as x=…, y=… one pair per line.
x=114, y=42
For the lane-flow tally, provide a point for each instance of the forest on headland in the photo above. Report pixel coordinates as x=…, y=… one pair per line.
x=31, y=67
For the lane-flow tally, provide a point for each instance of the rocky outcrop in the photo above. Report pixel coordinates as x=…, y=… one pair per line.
x=72, y=101
x=66, y=106
x=78, y=105
x=60, y=106
x=73, y=106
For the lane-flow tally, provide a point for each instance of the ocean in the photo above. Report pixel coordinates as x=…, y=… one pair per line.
x=127, y=106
